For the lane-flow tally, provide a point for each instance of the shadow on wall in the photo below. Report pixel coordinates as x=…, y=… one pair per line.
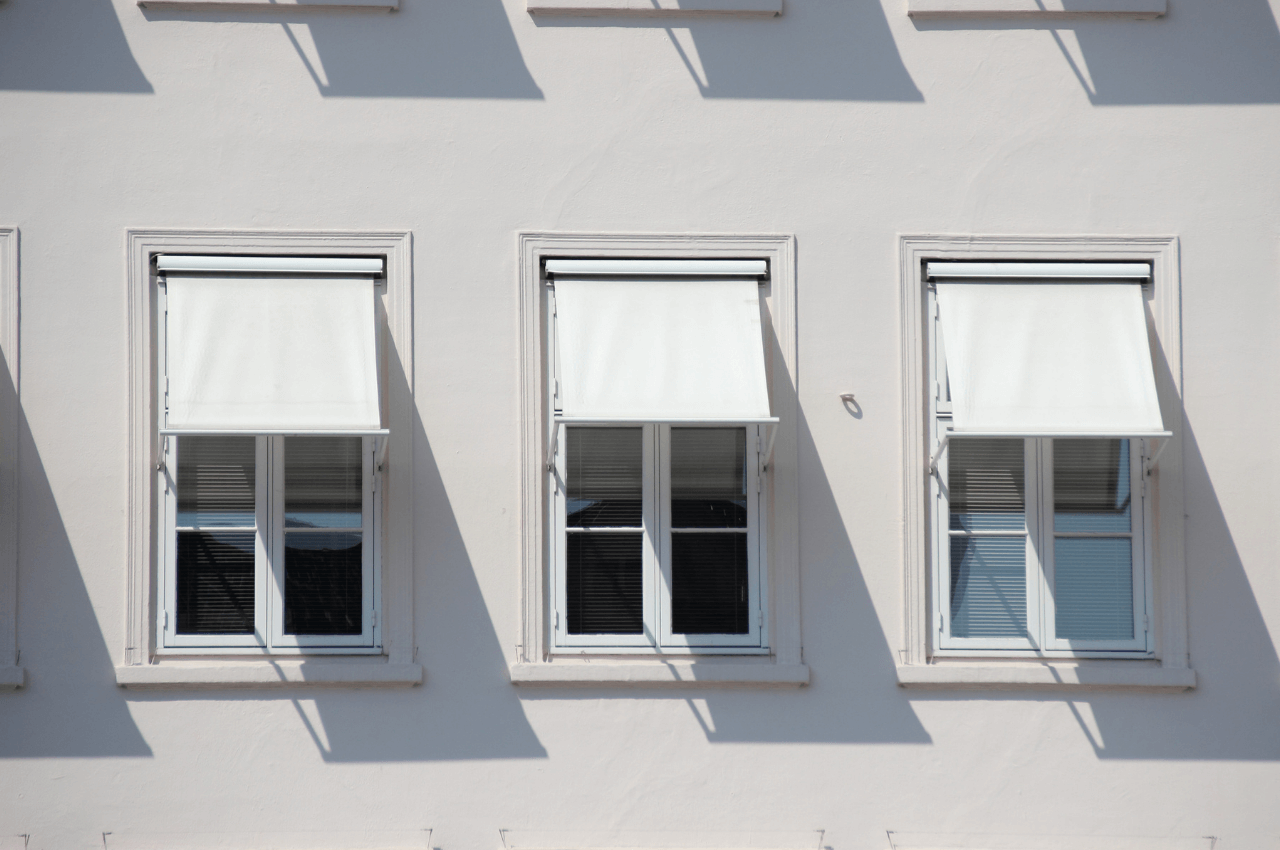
x=817, y=50
x=66, y=45
x=71, y=706
x=1199, y=53
x=466, y=710
x=442, y=48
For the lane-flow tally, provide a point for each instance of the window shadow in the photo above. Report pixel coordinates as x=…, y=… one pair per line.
x=467, y=708
x=817, y=50
x=1199, y=53
x=66, y=45
x=71, y=706
x=441, y=48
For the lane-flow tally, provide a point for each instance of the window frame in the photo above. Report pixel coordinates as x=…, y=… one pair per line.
x=12, y=675
x=656, y=528
x=142, y=660
x=780, y=663
x=922, y=662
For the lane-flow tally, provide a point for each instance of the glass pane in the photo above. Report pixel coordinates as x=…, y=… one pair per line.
x=709, y=584
x=322, y=482
x=322, y=583
x=708, y=478
x=989, y=587
x=1091, y=485
x=604, y=480
x=1093, y=588
x=603, y=584
x=215, y=582
x=987, y=484
x=216, y=482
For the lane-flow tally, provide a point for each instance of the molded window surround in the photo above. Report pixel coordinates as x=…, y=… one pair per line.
x=276, y=5
x=1036, y=10
x=11, y=675
x=656, y=8
x=142, y=665
x=920, y=665
x=534, y=663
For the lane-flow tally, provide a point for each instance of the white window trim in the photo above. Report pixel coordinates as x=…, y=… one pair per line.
x=12, y=675
x=290, y=5
x=920, y=665
x=534, y=662
x=140, y=665
x=652, y=8
x=1037, y=10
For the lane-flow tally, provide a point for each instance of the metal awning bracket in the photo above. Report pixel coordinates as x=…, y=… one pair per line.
x=937, y=453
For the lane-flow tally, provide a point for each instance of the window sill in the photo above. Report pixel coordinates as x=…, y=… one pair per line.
x=277, y=5
x=1038, y=9
x=665, y=672
x=658, y=8
x=1049, y=676
x=12, y=678
x=258, y=673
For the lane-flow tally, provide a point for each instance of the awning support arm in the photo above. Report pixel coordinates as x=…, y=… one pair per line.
x=380, y=460
x=767, y=457
x=1155, y=458
x=552, y=443
x=937, y=453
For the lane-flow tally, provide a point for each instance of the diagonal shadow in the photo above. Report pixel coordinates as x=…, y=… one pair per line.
x=66, y=45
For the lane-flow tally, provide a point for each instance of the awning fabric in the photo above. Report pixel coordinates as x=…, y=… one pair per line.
x=1048, y=358
x=661, y=349
x=247, y=352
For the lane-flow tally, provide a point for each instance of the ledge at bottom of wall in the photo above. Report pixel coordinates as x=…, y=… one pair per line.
x=265, y=674
x=657, y=8
x=664, y=673
x=1038, y=9
x=12, y=678
x=1012, y=676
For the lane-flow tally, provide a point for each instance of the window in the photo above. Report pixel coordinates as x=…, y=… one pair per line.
x=1042, y=373
x=659, y=503
x=1049, y=471
x=271, y=426
x=661, y=407
x=271, y=465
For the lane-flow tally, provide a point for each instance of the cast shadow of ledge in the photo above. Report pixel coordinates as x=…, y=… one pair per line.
x=1197, y=53
x=816, y=50
x=70, y=707
x=429, y=48
x=66, y=46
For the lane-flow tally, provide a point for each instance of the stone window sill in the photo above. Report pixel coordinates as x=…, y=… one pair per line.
x=656, y=8
x=276, y=5
x=1047, y=676
x=12, y=678
x=685, y=673
x=1036, y=9
x=258, y=673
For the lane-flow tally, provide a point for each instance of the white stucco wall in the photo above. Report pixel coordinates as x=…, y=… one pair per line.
x=842, y=123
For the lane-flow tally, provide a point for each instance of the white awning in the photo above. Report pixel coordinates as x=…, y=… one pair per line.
x=676, y=348
x=252, y=354
x=1049, y=359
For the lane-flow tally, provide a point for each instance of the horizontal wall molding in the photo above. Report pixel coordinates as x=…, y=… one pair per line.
x=276, y=5
x=667, y=672
x=1037, y=9
x=665, y=839
x=259, y=674
x=317, y=839
x=1006, y=675
x=992, y=841
x=654, y=8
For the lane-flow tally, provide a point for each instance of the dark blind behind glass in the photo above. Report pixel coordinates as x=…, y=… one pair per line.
x=708, y=478
x=604, y=584
x=709, y=584
x=603, y=477
x=215, y=583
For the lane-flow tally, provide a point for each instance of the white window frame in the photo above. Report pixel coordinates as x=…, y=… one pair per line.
x=12, y=675
x=778, y=661
x=1164, y=663
x=144, y=662
x=269, y=531
x=656, y=558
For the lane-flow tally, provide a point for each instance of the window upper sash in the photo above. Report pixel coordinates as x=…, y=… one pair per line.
x=660, y=341
x=271, y=345
x=1062, y=354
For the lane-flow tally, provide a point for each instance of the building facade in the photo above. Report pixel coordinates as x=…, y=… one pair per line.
x=670, y=425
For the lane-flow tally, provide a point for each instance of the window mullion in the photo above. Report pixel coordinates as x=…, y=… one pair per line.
x=657, y=519
x=269, y=605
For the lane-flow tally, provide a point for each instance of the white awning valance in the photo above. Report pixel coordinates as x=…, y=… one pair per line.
x=1049, y=359
x=675, y=348
x=271, y=354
